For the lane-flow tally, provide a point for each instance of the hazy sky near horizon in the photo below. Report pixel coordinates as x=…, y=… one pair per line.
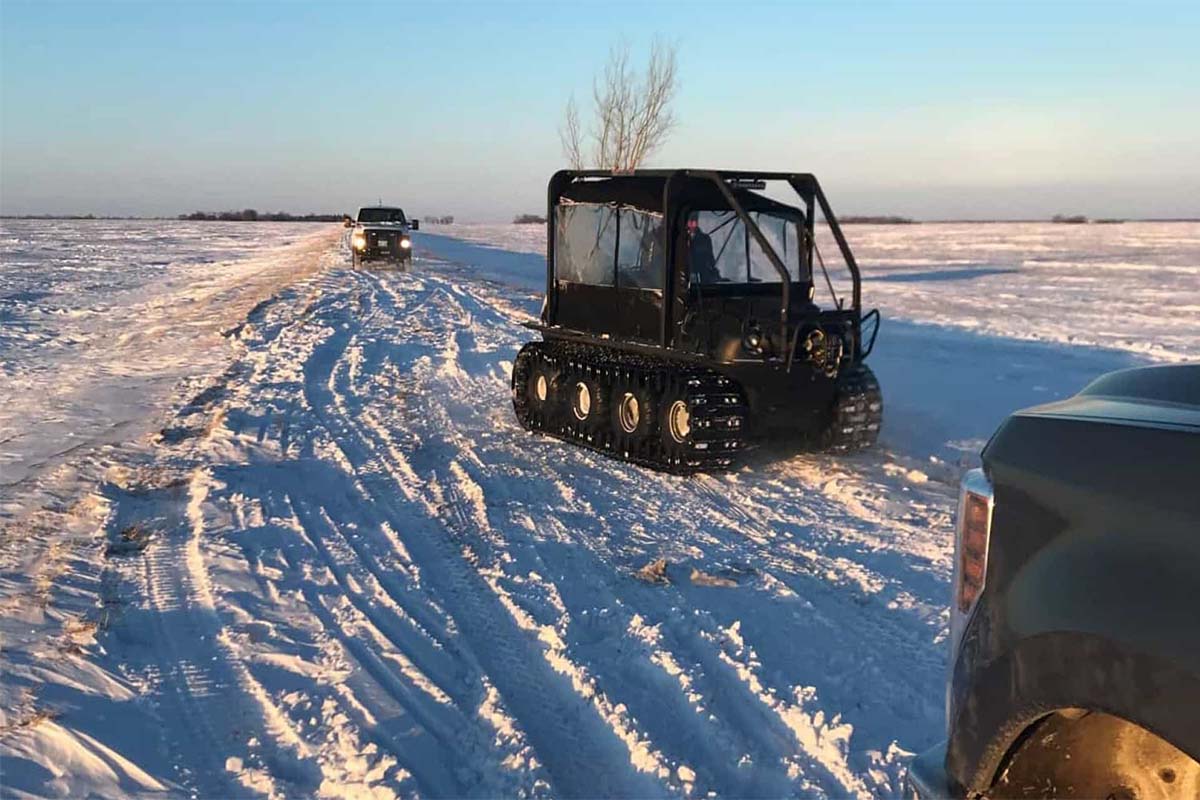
x=933, y=110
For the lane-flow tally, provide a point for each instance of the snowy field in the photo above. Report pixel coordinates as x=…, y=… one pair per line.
x=338, y=567
x=99, y=321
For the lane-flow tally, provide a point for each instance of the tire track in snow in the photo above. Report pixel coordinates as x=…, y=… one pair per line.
x=458, y=446
x=579, y=750
x=813, y=580
x=204, y=683
x=768, y=730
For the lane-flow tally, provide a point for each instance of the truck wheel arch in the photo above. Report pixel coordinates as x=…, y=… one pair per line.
x=1075, y=752
x=1009, y=699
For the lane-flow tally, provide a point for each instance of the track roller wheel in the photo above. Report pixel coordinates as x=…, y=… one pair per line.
x=535, y=388
x=634, y=413
x=587, y=394
x=675, y=430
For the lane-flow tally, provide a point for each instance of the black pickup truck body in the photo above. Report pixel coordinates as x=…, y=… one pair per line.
x=382, y=233
x=1084, y=640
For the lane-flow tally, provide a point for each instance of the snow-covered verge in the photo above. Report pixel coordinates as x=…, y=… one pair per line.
x=341, y=569
x=100, y=320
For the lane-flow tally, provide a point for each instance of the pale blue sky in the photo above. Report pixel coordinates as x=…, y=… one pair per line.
x=928, y=109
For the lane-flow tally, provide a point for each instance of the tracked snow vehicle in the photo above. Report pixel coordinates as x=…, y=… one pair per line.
x=680, y=322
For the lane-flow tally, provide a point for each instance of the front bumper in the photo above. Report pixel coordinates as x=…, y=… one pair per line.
x=926, y=777
x=384, y=255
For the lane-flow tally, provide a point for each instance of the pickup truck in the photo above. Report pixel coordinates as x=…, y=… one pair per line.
x=381, y=232
x=1075, y=615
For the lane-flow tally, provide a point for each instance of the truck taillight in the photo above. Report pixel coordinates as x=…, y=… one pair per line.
x=972, y=536
x=974, y=522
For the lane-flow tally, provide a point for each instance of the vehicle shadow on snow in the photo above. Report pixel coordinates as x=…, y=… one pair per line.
x=936, y=275
x=523, y=270
x=945, y=390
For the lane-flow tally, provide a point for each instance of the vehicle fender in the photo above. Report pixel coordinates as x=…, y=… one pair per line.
x=1067, y=670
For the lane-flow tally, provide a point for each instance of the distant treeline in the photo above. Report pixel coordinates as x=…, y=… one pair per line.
x=250, y=215
x=528, y=219
x=876, y=220
x=70, y=216
x=1080, y=219
x=448, y=219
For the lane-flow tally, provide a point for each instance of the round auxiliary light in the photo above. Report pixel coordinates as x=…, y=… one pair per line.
x=753, y=339
x=405, y=244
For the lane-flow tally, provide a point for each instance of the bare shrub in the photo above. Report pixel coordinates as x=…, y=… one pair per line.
x=631, y=112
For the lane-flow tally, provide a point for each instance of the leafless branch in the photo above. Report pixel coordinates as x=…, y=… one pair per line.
x=632, y=114
x=571, y=136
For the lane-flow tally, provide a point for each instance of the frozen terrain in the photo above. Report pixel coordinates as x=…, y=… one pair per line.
x=99, y=321
x=338, y=567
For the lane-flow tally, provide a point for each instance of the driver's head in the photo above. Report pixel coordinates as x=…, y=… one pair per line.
x=693, y=225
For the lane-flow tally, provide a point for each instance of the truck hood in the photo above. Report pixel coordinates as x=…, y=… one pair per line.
x=1156, y=397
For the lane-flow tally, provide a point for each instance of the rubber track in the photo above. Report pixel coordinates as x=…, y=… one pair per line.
x=857, y=413
x=718, y=408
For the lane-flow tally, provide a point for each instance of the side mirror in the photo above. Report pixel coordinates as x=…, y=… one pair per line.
x=414, y=224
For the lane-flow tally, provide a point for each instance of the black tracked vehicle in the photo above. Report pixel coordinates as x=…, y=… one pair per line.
x=680, y=322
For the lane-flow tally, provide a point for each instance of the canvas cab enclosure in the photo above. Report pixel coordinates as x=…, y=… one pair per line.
x=655, y=256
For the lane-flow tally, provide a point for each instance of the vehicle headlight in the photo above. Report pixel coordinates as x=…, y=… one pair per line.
x=752, y=339
x=358, y=241
x=405, y=244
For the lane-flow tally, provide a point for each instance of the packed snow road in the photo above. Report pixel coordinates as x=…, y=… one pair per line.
x=342, y=569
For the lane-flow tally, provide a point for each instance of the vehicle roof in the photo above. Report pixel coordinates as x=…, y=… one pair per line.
x=644, y=190
x=1160, y=396
x=381, y=208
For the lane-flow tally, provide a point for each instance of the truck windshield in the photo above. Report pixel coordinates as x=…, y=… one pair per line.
x=722, y=249
x=380, y=215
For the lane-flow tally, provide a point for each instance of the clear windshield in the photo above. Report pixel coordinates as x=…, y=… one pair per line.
x=722, y=249
x=380, y=215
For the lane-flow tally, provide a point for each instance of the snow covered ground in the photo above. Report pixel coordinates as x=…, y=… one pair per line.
x=1130, y=286
x=339, y=567
x=99, y=320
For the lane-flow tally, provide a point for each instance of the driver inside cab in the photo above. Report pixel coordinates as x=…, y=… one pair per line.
x=700, y=253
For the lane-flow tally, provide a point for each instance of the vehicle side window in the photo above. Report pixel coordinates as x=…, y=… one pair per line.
x=782, y=234
x=721, y=249
x=585, y=243
x=717, y=247
x=640, y=255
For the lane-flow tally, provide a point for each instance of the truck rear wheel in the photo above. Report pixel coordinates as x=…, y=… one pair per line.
x=856, y=415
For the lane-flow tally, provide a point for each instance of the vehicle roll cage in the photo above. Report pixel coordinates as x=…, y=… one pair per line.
x=804, y=184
